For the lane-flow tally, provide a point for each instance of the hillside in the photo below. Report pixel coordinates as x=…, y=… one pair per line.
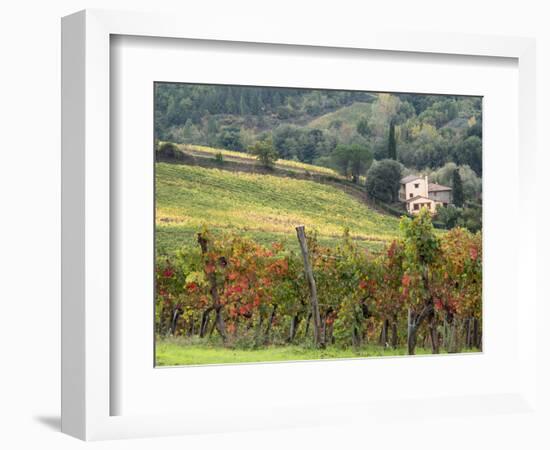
x=202, y=151
x=266, y=208
x=346, y=116
x=307, y=125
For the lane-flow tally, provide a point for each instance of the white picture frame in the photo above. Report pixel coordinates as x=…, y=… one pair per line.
x=88, y=387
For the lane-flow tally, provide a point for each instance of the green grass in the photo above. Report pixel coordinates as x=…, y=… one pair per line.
x=174, y=353
x=348, y=115
x=264, y=207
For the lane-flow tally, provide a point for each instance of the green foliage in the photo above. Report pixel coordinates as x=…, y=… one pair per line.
x=349, y=322
x=468, y=217
x=286, y=140
x=362, y=127
x=471, y=183
x=167, y=150
x=421, y=242
x=419, y=102
x=265, y=152
x=457, y=275
x=450, y=216
x=302, y=144
x=440, y=112
x=476, y=129
x=392, y=144
x=230, y=138
x=352, y=160
x=468, y=212
x=458, y=191
x=468, y=153
x=430, y=131
x=345, y=116
x=442, y=279
x=425, y=146
x=472, y=217
x=404, y=113
x=218, y=157
x=311, y=142
x=383, y=180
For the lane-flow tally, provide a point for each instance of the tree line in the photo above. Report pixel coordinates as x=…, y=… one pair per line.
x=420, y=131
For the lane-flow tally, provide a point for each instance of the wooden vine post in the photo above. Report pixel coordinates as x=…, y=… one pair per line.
x=319, y=339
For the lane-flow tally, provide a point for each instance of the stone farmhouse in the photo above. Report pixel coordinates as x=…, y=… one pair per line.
x=417, y=193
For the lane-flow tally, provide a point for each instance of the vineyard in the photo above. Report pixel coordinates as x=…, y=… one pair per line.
x=253, y=301
x=263, y=207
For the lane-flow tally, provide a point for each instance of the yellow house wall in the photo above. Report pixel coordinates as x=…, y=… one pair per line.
x=422, y=201
x=412, y=191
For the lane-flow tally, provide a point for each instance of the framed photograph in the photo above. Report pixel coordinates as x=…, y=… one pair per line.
x=269, y=230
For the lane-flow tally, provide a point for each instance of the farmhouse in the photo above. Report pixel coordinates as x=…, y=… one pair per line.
x=417, y=193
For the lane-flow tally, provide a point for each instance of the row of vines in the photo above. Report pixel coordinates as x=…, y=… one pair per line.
x=424, y=290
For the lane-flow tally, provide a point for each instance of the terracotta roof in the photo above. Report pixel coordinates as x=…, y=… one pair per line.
x=410, y=178
x=419, y=196
x=434, y=187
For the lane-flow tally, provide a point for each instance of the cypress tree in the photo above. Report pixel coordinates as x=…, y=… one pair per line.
x=392, y=144
x=458, y=191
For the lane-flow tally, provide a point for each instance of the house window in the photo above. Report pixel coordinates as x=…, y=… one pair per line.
x=416, y=185
x=410, y=195
x=416, y=206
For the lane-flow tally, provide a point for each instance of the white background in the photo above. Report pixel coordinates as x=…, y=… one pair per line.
x=29, y=327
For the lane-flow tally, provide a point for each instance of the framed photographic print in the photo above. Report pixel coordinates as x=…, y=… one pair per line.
x=283, y=221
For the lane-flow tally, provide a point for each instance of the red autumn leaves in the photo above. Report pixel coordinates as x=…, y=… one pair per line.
x=454, y=278
x=357, y=290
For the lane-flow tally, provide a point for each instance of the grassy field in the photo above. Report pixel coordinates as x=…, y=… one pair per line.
x=175, y=352
x=348, y=115
x=264, y=207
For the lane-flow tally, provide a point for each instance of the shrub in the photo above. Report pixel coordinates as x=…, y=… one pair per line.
x=449, y=216
x=167, y=150
x=265, y=152
x=383, y=180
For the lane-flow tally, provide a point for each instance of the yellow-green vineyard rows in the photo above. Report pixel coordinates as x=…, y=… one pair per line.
x=264, y=207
